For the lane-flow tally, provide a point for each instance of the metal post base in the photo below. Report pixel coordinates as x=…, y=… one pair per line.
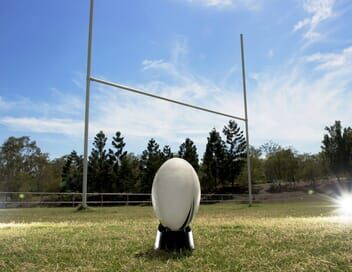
x=173, y=240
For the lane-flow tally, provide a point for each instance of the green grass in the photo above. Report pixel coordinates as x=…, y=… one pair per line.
x=299, y=236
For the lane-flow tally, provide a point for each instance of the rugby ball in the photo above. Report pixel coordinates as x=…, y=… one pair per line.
x=176, y=194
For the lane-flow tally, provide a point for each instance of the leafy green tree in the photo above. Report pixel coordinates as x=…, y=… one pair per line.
x=188, y=152
x=291, y=165
x=272, y=164
x=213, y=162
x=257, y=168
x=269, y=148
x=51, y=180
x=150, y=162
x=281, y=165
x=23, y=167
x=312, y=168
x=235, y=151
x=99, y=167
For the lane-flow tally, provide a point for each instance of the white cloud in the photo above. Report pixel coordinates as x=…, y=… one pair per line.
x=228, y=75
x=61, y=116
x=320, y=11
x=217, y=2
x=139, y=118
x=146, y=118
x=239, y=4
x=294, y=110
x=43, y=125
x=294, y=105
x=333, y=61
x=151, y=64
x=179, y=49
x=301, y=24
x=3, y=104
x=254, y=76
x=270, y=53
x=65, y=104
x=186, y=84
x=79, y=80
x=19, y=103
x=291, y=105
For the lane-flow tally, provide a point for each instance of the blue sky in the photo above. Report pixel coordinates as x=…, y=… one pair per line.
x=298, y=59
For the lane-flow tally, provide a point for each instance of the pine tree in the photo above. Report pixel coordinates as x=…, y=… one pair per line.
x=213, y=161
x=348, y=149
x=188, y=152
x=72, y=173
x=150, y=162
x=129, y=172
x=337, y=148
x=235, y=151
x=65, y=175
x=115, y=159
x=99, y=166
x=167, y=153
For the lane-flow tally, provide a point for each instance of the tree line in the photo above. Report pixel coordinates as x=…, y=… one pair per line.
x=222, y=168
x=116, y=170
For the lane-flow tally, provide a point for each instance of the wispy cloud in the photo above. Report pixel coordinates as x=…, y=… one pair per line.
x=270, y=53
x=67, y=127
x=79, y=80
x=62, y=116
x=137, y=117
x=240, y=4
x=3, y=104
x=19, y=103
x=333, y=61
x=291, y=105
x=319, y=11
x=151, y=64
x=145, y=117
x=65, y=104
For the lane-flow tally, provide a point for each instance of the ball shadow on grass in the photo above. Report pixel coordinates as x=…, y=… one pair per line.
x=163, y=255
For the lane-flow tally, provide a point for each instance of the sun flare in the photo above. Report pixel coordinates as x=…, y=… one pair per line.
x=344, y=203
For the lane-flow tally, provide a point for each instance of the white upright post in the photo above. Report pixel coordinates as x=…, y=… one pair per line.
x=86, y=116
x=246, y=122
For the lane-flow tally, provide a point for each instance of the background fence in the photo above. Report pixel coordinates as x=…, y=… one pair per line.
x=32, y=199
x=46, y=199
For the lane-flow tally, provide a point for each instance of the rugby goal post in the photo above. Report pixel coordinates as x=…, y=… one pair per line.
x=90, y=79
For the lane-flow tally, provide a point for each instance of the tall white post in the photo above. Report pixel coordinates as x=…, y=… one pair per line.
x=86, y=116
x=246, y=122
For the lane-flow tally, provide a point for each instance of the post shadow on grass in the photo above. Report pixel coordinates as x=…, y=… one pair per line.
x=81, y=208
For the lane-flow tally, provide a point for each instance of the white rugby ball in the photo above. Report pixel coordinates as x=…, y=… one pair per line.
x=176, y=194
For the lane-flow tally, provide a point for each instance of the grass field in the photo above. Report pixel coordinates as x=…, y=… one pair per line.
x=297, y=236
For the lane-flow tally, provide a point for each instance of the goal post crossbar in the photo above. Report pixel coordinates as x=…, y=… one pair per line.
x=138, y=91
